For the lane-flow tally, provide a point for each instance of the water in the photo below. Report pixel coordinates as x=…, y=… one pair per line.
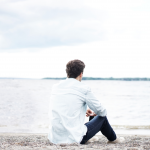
x=24, y=104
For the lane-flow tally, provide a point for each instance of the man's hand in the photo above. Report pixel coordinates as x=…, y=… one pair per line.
x=89, y=112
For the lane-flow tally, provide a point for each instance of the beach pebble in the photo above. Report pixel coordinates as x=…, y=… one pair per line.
x=40, y=142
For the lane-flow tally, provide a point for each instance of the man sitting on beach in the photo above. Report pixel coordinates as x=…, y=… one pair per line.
x=68, y=107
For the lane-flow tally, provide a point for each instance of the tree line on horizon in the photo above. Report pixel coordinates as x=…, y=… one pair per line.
x=111, y=78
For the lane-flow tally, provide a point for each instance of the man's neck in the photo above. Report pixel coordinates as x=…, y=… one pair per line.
x=78, y=78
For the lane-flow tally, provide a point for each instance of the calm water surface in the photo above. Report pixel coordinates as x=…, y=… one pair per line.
x=24, y=104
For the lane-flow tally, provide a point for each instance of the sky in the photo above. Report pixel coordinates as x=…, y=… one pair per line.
x=38, y=38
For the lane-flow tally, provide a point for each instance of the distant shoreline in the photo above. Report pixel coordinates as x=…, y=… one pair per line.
x=111, y=78
x=84, y=78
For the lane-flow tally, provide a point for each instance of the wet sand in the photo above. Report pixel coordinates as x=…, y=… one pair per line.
x=14, y=141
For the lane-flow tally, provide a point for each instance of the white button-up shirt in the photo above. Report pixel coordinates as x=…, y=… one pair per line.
x=68, y=105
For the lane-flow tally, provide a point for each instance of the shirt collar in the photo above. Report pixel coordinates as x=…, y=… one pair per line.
x=72, y=79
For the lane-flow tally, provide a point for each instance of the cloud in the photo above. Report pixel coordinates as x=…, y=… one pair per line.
x=41, y=24
x=26, y=24
x=38, y=38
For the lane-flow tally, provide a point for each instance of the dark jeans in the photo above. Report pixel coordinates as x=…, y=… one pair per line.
x=97, y=124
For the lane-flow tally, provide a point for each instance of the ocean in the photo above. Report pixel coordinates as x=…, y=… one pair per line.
x=24, y=104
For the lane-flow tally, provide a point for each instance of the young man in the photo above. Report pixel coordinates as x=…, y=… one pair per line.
x=68, y=107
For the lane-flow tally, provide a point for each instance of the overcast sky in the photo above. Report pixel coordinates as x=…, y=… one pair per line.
x=38, y=37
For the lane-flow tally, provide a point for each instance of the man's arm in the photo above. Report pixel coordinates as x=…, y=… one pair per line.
x=95, y=105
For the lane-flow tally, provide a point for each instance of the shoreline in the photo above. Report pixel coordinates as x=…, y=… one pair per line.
x=38, y=141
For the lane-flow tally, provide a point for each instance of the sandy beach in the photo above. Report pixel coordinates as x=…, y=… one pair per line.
x=13, y=141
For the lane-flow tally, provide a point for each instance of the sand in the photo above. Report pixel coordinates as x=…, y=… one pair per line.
x=40, y=142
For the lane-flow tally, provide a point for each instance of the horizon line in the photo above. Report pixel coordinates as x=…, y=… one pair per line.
x=86, y=78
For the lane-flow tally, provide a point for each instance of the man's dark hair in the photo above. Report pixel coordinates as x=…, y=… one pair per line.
x=74, y=68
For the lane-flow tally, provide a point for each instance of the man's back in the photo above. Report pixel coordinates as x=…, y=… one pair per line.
x=67, y=110
x=69, y=101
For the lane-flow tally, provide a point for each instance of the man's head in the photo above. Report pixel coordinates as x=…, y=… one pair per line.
x=74, y=69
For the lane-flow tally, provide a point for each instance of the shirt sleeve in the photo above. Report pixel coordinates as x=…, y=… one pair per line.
x=95, y=105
